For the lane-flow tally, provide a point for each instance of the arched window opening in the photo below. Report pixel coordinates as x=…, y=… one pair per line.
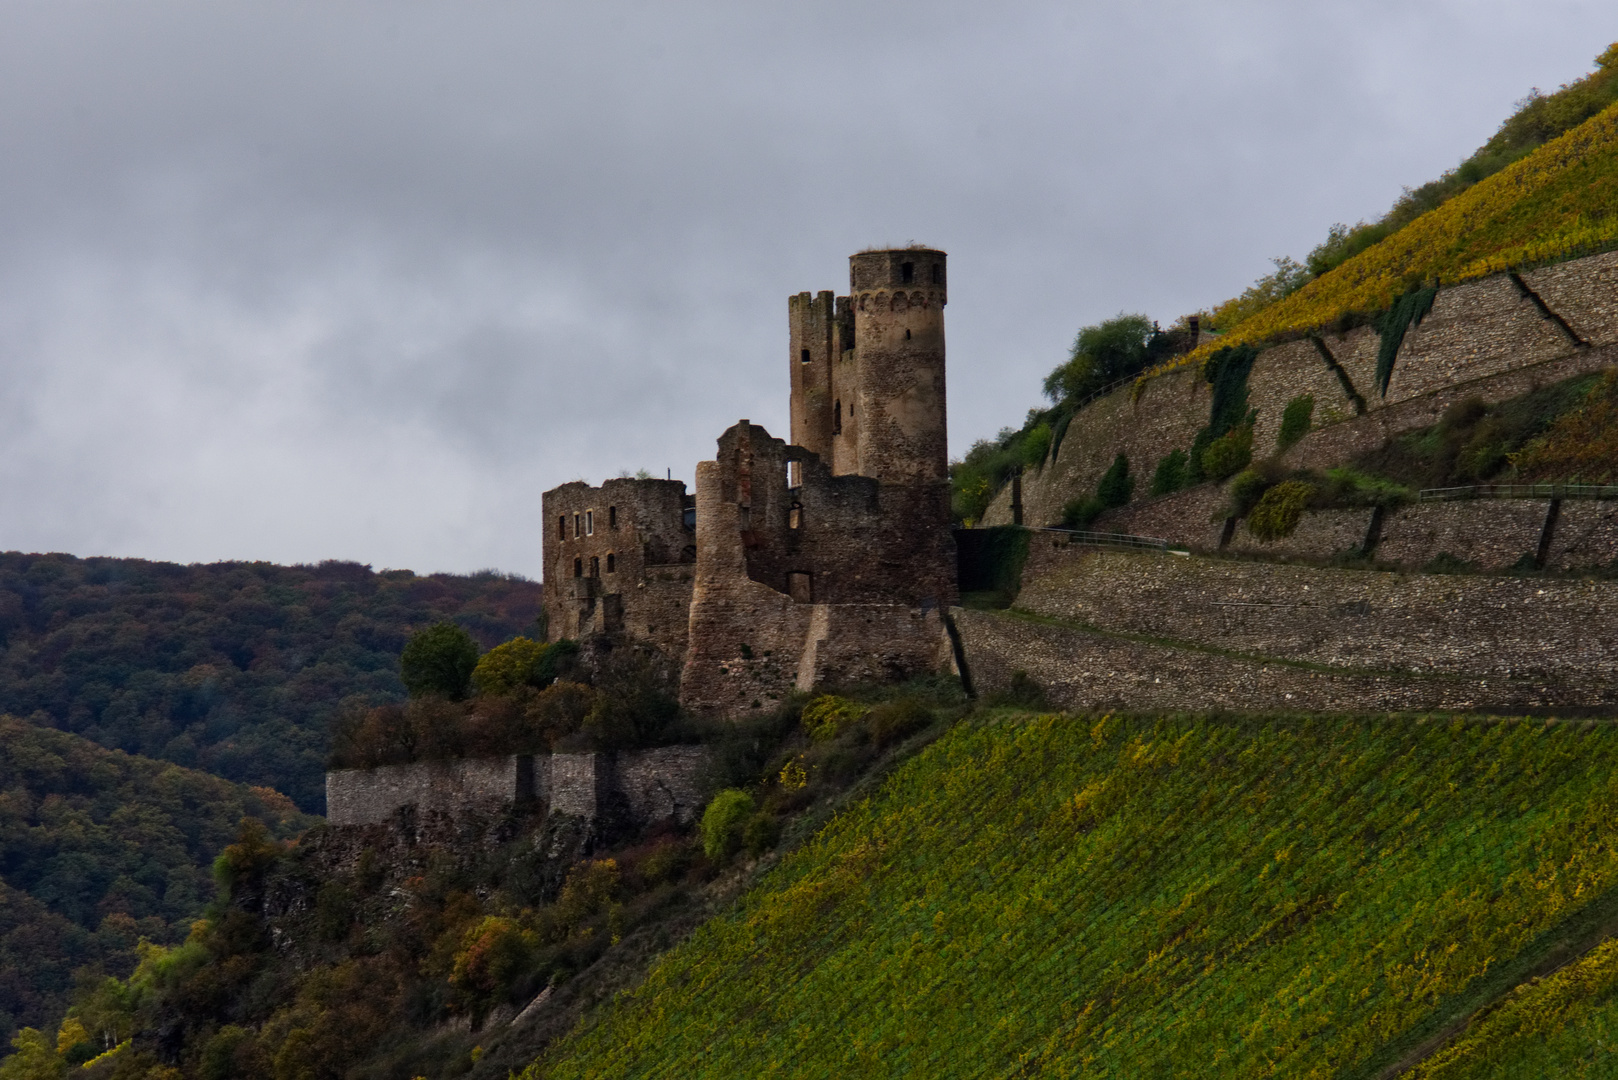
x=578, y=567
x=837, y=419
x=595, y=566
x=803, y=356
x=612, y=563
x=907, y=335
x=907, y=272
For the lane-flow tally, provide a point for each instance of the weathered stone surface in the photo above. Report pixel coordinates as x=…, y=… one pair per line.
x=1492, y=628
x=368, y=796
x=1482, y=339
x=645, y=785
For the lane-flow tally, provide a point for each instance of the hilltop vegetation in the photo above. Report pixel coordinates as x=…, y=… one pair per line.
x=233, y=668
x=97, y=851
x=1143, y=897
x=1540, y=190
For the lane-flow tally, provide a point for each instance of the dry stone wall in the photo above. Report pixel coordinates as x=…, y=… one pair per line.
x=1489, y=627
x=368, y=796
x=1486, y=339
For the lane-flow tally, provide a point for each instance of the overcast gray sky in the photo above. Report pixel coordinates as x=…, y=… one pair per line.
x=296, y=281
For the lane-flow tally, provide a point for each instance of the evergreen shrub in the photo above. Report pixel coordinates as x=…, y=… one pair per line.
x=1228, y=454
x=1170, y=475
x=723, y=822
x=1295, y=421
x=1279, y=511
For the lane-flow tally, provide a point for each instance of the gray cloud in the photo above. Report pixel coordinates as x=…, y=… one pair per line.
x=302, y=281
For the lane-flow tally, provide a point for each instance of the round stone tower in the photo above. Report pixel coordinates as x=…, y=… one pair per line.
x=896, y=413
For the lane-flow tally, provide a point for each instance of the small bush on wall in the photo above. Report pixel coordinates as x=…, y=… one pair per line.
x=1171, y=474
x=1296, y=419
x=1229, y=454
x=1279, y=511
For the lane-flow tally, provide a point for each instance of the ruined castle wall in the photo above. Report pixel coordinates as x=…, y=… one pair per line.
x=667, y=783
x=814, y=347
x=872, y=643
x=368, y=796
x=602, y=544
x=745, y=638
x=646, y=785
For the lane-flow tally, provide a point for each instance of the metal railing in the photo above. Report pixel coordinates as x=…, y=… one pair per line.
x=1519, y=491
x=1106, y=539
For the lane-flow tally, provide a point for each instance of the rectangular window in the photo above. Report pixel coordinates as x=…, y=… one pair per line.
x=612, y=517
x=561, y=527
x=576, y=529
x=589, y=523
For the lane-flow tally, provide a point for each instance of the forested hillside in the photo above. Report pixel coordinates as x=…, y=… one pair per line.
x=232, y=668
x=1187, y=896
x=98, y=850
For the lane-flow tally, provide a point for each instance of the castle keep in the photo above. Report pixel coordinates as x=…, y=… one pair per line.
x=824, y=559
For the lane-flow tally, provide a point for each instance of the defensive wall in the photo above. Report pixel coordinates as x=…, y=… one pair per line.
x=1491, y=339
x=635, y=788
x=1099, y=629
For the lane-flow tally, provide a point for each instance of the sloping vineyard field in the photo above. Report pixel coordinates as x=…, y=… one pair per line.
x=1555, y=203
x=1119, y=896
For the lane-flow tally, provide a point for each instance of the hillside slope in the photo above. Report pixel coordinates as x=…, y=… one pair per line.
x=1135, y=897
x=234, y=668
x=97, y=850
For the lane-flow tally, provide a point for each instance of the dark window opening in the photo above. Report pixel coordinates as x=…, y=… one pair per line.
x=595, y=566
x=803, y=357
x=688, y=517
x=907, y=335
x=578, y=528
x=907, y=272
x=837, y=419
x=938, y=273
x=612, y=563
x=589, y=523
x=612, y=517
x=850, y=408
x=578, y=567
x=561, y=527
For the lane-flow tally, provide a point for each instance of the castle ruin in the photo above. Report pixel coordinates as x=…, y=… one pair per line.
x=825, y=559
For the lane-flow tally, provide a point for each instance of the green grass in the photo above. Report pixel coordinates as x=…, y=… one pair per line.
x=1132, y=897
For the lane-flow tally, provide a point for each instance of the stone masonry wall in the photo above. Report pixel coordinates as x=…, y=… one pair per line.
x=1483, y=338
x=367, y=796
x=1486, y=626
x=641, y=786
x=1145, y=631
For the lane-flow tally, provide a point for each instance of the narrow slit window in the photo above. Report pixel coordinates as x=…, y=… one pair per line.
x=589, y=523
x=561, y=527
x=907, y=335
x=578, y=567
x=803, y=356
x=837, y=419
x=595, y=566
x=612, y=563
x=578, y=528
x=612, y=517
x=795, y=516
